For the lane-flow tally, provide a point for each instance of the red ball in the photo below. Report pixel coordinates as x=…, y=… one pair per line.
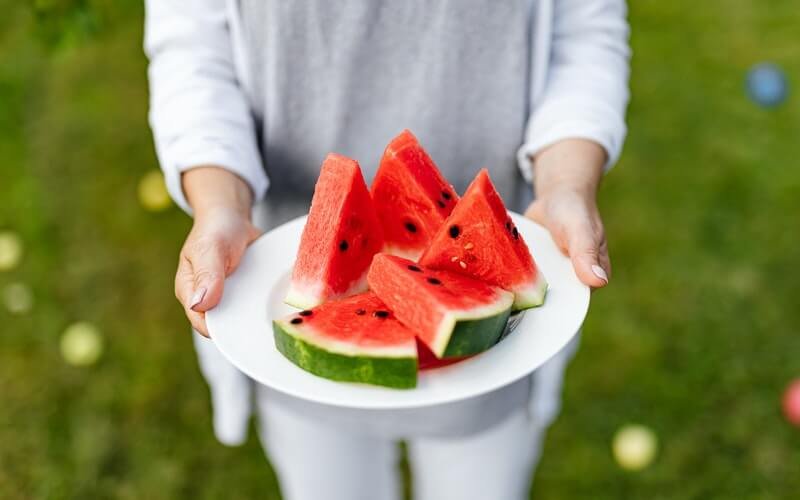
x=791, y=403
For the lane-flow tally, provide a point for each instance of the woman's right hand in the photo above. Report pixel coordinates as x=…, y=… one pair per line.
x=222, y=230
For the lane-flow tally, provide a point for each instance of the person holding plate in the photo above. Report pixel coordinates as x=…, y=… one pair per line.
x=248, y=95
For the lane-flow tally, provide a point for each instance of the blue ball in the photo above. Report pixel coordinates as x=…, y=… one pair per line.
x=767, y=85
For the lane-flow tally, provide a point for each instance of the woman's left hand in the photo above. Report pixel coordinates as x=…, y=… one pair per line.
x=567, y=176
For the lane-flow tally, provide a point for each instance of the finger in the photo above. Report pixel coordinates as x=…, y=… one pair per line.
x=198, y=321
x=208, y=267
x=235, y=254
x=584, y=251
x=605, y=259
x=184, y=281
x=253, y=233
x=184, y=288
x=535, y=212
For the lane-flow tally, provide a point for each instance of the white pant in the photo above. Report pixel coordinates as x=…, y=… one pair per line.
x=318, y=458
x=317, y=461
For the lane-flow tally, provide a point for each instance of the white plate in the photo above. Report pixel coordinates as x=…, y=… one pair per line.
x=241, y=326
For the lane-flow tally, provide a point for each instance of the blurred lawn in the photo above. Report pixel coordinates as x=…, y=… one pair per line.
x=696, y=338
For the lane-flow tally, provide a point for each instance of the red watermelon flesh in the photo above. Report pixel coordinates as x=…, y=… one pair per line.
x=340, y=237
x=480, y=240
x=411, y=197
x=452, y=314
x=355, y=339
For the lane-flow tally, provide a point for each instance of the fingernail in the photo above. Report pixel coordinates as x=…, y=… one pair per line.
x=600, y=272
x=198, y=296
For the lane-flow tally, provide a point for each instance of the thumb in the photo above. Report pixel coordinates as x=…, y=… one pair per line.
x=585, y=249
x=208, y=270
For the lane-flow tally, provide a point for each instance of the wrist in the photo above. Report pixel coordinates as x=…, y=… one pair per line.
x=567, y=192
x=210, y=190
x=569, y=166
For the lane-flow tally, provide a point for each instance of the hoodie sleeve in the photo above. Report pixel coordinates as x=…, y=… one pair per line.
x=585, y=90
x=198, y=112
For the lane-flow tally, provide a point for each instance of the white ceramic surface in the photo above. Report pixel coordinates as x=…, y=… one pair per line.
x=241, y=327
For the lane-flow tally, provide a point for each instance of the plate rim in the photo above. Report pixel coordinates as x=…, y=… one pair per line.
x=211, y=317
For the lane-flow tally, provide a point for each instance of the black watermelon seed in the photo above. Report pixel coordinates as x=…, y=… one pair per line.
x=343, y=245
x=440, y=203
x=382, y=314
x=508, y=226
x=434, y=281
x=306, y=313
x=296, y=321
x=515, y=233
x=446, y=195
x=454, y=231
x=414, y=268
x=411, y=227
x=361, y=312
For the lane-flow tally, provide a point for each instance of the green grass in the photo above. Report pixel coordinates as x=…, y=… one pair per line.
x=696, y=337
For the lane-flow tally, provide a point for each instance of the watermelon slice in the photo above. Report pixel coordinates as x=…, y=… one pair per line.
x=356, y=339
x=479, y=239
x=341, y=235
x=411, y=197
x=452, y=314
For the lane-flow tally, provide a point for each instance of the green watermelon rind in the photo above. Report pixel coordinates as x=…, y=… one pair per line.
x=469, y=332
x=398, y=372
x=531, y=296
x=474, y=336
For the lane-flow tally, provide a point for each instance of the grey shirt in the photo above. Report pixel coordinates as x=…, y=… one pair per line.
x=348, y=75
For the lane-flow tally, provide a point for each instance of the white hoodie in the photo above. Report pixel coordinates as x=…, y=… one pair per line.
x=236, y=83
